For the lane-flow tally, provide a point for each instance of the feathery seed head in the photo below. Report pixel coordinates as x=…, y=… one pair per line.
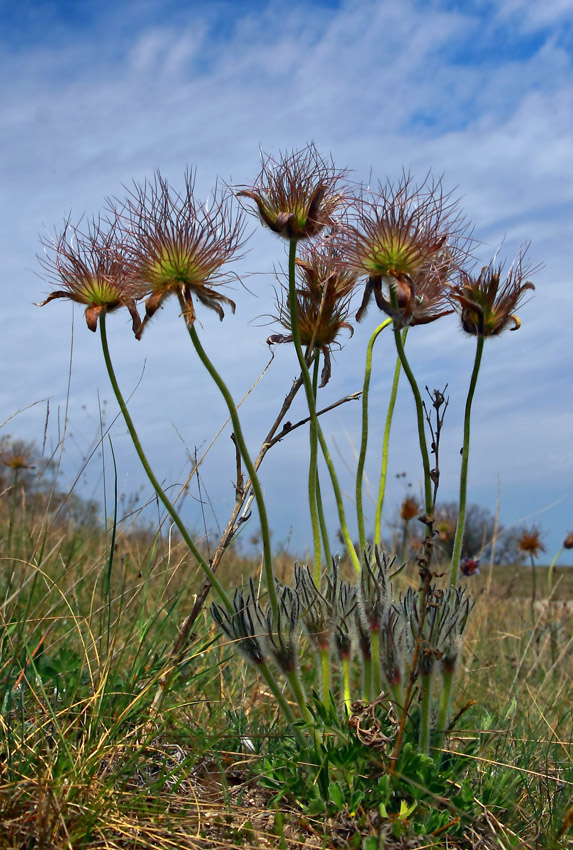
x=408, y=239
x=175, y=245
x=92, y=269
x=417, y=300
x=297, y=195
x=529, y=541
x=17, y=461
x=409, y=509
x=486, y=303
x=322, y=302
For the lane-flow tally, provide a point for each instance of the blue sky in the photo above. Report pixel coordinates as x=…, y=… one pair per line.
x=95, y=95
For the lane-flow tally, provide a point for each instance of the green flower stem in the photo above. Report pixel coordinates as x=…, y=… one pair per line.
x=447, y=682
x=364, y=440
x=376, y=678
x=346, y=698
x=319, y=505
x=339, y=504
x=300, y=696
x=154, y=482
x=425, y=712
x=367, y=674
x=313, y=496
x=458, y=540
x=323, y=531
x=551, y=571
x=255, y=483
x=533, y=588
x=282, y=702
x=312, y=408
x=398, y=696
x=13, y=507
x=385, y=445
x=428, y=506
x=405, y=541
x=325, y=674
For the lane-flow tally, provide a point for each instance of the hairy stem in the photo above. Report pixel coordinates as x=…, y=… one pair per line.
x=367, y=668
x=282, y=702
x=385, y=446
x=376, y=678
x=346, y=696
x=323, y=529
x=421, y=424
x=458, y=540
x=447, y=682
x=364, y=439
x=533, y=587
x=313, y=493
x=298, y=692
x=551, y=571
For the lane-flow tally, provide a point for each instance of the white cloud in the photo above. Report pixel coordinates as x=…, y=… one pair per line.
x=534, y=16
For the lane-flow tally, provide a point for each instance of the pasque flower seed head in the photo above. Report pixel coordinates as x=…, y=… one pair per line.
x=176, y=245
x=92, y=269
x=297, y=194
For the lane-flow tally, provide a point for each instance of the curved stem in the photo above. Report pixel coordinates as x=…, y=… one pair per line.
x=398, y=697
x=313, y=480
x=13, y=507
x=267, y=675
x=299, y=695
x=367, y=667
x=421, y=427
x=364, y=439
x=339, y=504
x=255, y=484
x=346, y=696
x=533, y=588
x=312, y=408
x=385, y=446
x=551, y=571
x=458, y=540
x=154, y=482
x=323, y=532
x=405, y=541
